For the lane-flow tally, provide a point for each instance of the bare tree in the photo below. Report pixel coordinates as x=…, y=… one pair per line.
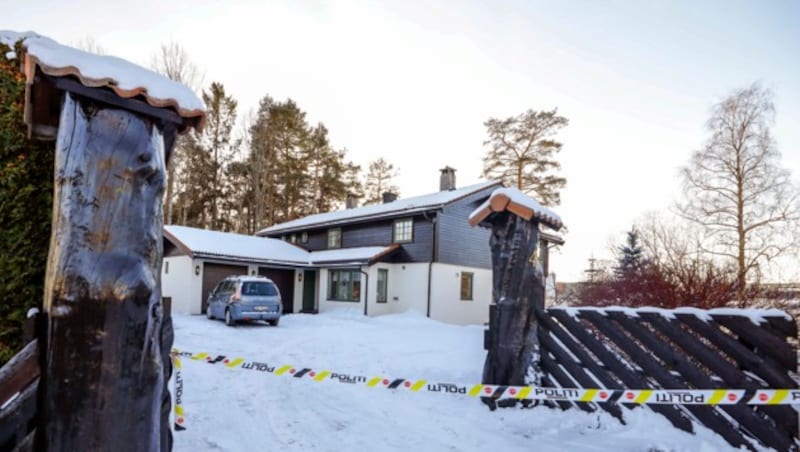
x=173, y=62
x=522, y=152
x=735, y=188
x=379, y=179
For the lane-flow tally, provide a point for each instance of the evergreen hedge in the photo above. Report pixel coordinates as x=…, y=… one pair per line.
x=26, y=198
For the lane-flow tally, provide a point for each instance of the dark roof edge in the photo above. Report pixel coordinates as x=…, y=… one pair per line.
x=368, y=217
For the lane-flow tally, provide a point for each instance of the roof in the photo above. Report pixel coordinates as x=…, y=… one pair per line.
x=518, y=203
x=124, y=78
x=407, y=206
x=366, y=254
x=203, y=243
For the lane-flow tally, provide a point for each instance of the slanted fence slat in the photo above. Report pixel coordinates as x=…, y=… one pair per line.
x=617, y=348
x=583, y=376
x=617, y=367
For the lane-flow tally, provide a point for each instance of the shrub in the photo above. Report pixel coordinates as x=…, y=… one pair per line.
x=26, y=192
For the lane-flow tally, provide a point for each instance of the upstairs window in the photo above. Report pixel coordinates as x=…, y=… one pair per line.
x=304, y=237
x=335, y=238
x=466, y=285
x=403, y=230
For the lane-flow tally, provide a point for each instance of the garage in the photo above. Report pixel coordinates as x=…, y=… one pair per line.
x=213, y=274
x=284, y=279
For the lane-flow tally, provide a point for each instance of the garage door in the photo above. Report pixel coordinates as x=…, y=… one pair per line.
x=284, y=279
x=213, y=274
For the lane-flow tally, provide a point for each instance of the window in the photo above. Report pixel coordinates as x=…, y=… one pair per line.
x=403, y=230
x=383, y=282
x=293, y=238
x=261, y=288
x=466, y=285
x=334, y=238
x=344, y=285
x=304, y=237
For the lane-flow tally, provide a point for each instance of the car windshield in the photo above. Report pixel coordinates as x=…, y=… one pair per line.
x=259, y=288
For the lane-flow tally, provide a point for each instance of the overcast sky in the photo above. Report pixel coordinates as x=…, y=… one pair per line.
x=413, y=81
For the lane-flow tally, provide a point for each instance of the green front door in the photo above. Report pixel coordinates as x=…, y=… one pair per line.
x=309, y=290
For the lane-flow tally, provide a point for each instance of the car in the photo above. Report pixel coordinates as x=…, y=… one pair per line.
x=243, y=298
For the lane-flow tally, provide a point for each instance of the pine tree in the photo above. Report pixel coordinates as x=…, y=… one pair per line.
x=522, y=153
x=378, y=181
x=220, y=144
x=631, y=257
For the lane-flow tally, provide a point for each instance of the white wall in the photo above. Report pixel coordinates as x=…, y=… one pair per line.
x=179, y=282
x=408, y=288
x=297, y=301
x=446, y=303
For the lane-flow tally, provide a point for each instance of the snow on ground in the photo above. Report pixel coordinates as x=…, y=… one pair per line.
x=239, y=410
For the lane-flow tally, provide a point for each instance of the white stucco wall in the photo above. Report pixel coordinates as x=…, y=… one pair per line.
x=297, y=296
x=179, y=282
x=446, y=303
x=408, y=288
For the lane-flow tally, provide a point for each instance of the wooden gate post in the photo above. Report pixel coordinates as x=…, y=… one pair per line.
x=517, y=290
x=517, y=286
x=107, y=345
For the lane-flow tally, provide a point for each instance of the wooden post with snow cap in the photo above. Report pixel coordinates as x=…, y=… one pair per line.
x=517, y=286
x=107, y=344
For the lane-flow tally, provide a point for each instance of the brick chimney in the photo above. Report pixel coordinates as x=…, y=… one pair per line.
x=447, y=181
x=352, y=201
x=389, y=197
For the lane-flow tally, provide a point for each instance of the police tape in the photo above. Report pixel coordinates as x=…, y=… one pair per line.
x=180, y=418
x=496, y=392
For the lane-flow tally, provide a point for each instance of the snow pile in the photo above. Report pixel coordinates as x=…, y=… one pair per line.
x=236, y=410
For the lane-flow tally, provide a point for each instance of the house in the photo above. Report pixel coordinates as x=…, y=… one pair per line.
x=416, y=253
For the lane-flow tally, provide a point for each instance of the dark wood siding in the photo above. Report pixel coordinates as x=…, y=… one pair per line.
x=379, y=233
x=459, y=243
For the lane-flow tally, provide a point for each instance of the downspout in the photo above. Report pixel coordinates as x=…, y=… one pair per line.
x=434, y=255
x=366, y=289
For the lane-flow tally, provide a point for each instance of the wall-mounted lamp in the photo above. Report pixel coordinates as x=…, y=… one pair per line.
x=197, y=270
x=299, y=277
x=252, y=272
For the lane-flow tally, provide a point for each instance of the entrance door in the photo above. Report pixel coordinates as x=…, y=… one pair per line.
x=309, y=291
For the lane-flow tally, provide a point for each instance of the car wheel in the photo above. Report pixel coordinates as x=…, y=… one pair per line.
x=208, y=314
x=274, y=322
x=228, y=318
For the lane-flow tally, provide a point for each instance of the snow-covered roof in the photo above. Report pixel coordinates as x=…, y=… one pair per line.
x=205, y=243
x=126, y=79
x=363, y=254
x=227, y=245
x=399, y=207
x=514, y=201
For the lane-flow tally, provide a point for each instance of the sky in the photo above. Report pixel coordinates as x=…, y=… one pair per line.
x=414, y=81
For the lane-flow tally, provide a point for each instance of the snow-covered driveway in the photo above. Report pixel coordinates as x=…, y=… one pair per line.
x=238, y=410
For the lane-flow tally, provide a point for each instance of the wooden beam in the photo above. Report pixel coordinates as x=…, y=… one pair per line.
x=107, y=341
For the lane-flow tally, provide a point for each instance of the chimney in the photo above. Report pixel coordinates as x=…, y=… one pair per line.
x=447, y=181
x=389, y=197
x=352, y=201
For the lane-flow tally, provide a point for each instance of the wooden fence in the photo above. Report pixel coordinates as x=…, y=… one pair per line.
x=19, y=391
x=617, y=348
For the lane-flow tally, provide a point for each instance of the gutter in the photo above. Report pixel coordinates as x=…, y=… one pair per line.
x=433, y=257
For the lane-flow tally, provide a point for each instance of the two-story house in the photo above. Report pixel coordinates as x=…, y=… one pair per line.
x=416, y=253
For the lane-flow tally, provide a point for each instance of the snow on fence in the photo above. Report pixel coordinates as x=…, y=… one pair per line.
x=691, y=349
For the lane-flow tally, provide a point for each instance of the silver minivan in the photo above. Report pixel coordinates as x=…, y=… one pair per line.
x=238, y=298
